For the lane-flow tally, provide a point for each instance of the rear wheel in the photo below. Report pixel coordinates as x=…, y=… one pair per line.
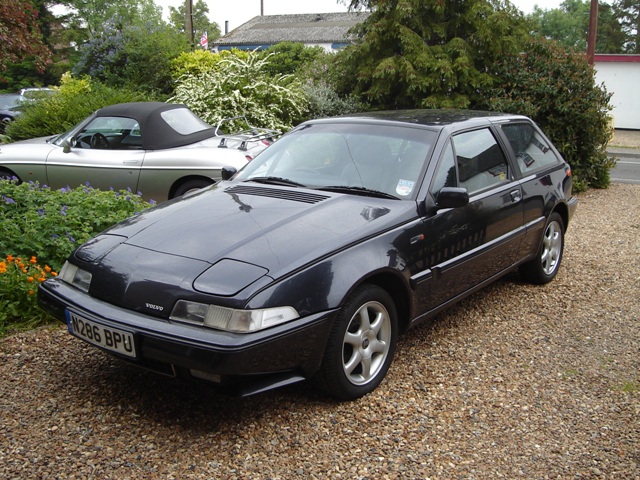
x=544, y=267
x=7, y=174
x=361, y=344
x=191, y=185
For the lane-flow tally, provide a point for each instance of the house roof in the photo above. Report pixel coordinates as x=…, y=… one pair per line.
x=303, y=28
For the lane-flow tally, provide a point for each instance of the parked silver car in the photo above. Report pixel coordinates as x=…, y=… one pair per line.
x=160, y=150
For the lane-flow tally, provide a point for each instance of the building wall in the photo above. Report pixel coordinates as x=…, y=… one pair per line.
x=620, y=75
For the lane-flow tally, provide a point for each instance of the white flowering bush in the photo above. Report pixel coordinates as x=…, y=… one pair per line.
x=241, y=86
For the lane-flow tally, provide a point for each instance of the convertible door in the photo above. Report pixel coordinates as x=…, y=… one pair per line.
x=102, y=169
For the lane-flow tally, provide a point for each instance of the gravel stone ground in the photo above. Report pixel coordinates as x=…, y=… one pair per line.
x=517, y=381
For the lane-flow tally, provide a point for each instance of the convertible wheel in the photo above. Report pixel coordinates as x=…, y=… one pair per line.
x=99, y=141
x=361, y=344
x=544, y=267
x=192, y=185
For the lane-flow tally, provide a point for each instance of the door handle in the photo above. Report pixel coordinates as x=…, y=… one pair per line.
x=130, y=162
x=516, y=196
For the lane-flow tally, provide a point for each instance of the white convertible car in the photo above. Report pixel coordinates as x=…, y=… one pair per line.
x=160, y=150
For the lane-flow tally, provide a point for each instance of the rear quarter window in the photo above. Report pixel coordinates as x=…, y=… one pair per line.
x=532, y=151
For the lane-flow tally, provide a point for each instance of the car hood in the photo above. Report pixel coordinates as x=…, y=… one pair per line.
x=33, y=149
x=251, y=230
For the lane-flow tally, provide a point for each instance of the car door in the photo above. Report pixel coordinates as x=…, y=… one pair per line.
x=536, y=161
x=106, y=153
x=466, y=246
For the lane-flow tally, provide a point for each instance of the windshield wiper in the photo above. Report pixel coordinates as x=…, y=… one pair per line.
x=358, y=191
x=276, y=181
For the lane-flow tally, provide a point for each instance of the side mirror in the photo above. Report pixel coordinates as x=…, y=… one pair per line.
x=68, y=144
x=452, y=197
x=227, y=172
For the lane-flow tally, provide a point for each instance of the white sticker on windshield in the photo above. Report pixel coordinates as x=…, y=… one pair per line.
x=404, y=187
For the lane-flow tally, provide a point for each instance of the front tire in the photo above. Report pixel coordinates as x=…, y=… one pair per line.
x=544, y=267
x=361, y=344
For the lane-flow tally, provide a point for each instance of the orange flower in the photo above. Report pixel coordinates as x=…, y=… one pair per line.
x=33, y=260
x=54, y=274
x=41, y=279
x=31, y=292
x=29, y=279
x=47, y=268
x=9, y=258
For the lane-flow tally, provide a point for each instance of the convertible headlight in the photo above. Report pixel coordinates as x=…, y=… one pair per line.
x=229, y=319
x=75, y=276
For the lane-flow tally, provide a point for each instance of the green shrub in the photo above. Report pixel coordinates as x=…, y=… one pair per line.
x=557, y=88
x=236, y=87
x=19, y=280
x=74, y=100
x=39, y=228
x=198, y=62
x=288, y=58
x=49, y=224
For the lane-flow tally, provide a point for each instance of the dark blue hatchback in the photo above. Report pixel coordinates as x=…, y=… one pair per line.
x=311, y=260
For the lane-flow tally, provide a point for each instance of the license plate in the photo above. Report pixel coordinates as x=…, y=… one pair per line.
x=108, y=338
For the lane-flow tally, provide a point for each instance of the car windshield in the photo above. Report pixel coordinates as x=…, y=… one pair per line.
x=8, y=101
x=366, y=159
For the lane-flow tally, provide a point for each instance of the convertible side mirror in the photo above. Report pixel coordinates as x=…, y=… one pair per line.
x=227, y=172
x=68, y=144
x=452, y=197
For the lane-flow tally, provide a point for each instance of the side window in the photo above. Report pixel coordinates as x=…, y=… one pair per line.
x=111, y=133
x=531, y=150
x=445, y=175
x=480, y=160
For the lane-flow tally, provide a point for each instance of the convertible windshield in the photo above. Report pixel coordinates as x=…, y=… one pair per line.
x=347, y=157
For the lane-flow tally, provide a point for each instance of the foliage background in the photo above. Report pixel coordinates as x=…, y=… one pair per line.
x=74, y=100
x=39, y=228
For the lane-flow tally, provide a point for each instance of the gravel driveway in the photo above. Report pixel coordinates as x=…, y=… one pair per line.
x=517, y=381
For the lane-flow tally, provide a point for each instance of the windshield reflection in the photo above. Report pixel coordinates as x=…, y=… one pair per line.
x=341, y=156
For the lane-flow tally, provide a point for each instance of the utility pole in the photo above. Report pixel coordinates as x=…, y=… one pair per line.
x=593, y=32
x=188, y=21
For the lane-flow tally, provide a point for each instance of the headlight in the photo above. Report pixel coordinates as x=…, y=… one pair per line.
x=75, y=276
x=229, y=319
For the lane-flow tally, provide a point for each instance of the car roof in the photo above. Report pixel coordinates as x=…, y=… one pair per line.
x=156, y=132
x=436, y=118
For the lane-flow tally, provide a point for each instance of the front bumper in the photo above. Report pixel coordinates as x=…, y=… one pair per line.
x=238, y=363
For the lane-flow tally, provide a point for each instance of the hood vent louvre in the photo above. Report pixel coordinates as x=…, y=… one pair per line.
x=293, y=195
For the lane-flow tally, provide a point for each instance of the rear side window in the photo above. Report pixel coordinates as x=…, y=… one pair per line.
x=531, y=150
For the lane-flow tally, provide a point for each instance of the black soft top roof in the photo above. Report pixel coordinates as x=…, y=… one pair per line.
x=157, y=134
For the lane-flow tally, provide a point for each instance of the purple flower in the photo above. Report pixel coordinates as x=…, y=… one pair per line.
x=9, y=200
x=63, y=210
x=40, y=211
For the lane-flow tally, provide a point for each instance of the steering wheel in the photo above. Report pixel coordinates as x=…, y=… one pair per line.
x=98, y=140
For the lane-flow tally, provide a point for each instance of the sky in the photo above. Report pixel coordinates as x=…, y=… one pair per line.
x=237, y=12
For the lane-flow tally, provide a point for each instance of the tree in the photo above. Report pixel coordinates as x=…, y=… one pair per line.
x=20, y=35
x=94, y=16
x=569, y=25
x=201, y=22
x=132, y=55
x=628, y=12
x=414, y=53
